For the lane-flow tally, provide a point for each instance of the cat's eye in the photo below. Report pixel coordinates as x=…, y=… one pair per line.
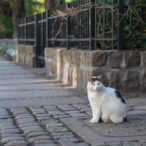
x=98, y=83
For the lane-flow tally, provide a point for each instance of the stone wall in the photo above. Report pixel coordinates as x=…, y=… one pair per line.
x=124, y=70
x=25, y=55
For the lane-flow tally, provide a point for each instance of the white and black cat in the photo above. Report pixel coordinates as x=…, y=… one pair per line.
x=106, y=103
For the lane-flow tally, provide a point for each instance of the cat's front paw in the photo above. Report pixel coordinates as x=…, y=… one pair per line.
x=94, y=121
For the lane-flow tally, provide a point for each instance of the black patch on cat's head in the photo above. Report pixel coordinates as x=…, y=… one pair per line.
x=118, y=95
x=95, y=79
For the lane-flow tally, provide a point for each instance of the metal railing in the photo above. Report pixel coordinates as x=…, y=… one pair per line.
x=88, y=24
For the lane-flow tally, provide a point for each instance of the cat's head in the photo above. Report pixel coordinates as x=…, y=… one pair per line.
x=94, y=83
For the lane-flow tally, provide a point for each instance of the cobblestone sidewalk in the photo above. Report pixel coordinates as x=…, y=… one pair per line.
x=35, y=111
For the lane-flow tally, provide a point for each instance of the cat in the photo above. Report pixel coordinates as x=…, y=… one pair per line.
x=107, y=104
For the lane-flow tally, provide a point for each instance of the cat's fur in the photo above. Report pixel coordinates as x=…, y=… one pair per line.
x=106, y=103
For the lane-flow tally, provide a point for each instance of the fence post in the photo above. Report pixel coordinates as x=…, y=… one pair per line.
x=25, y=21
x=120, y=28
x=18, y=30
x=92, y=26
x=67, y=29
x=47, y=26
x=36, y=40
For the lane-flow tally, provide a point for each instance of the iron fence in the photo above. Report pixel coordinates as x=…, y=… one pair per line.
x=88, y=24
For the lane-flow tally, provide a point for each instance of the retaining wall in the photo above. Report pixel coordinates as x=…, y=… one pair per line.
x=25, y=55
x=124, y=70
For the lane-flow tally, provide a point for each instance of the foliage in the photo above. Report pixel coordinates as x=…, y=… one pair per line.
x=6, y=24
x=34, y=6
x=6, y=27
x=68, y=1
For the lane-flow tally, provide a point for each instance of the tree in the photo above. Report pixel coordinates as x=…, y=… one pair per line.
x=18, y=11
x=11, y=10
x=55, y=4
x=34, y=6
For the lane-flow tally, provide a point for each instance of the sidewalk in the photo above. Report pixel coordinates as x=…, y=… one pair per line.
x=38, y=111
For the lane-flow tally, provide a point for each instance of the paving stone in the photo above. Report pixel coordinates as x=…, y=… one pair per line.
x=28, y=124
x=38, y=138
x=11, y=135
x=14, y=131
x=55, y=128
x=23, y=116
x=76, y=114
x=53, y=124
x=66, y=107
x=45, y=141
x=4, y=113
x=5, y=116
x=85, y=109
x=63, y=140
x=16, y=144
x=61, y=133
x=37, y=111
x=61, y=116
x=26, y=120
x=32, y=129
x=74, y=144
x=89, y=113
x=41, y=115
x=34, y=134
x=50, y=108
x=3, y=110
x=7, y=126
x=81, y=106
x=45, y=144
x=9, y=120
x=18, y=111
x=56, y=112
x=64, y=136
x=49, y=122
x=58, y=129
x=42, y=118
x=10, y=139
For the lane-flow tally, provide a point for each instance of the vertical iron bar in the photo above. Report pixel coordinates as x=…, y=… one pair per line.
x=120, y=28
x=47, y=27
x=67, y=29
x=112, y=26
x=36, y=40
x=92, y=26
x=25, y=19
x=142, y=27
x=103, y=27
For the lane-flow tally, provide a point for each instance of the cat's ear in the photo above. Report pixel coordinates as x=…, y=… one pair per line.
x=90, y=79
x=99, y=77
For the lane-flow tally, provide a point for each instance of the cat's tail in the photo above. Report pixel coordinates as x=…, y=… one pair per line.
x=125, y=119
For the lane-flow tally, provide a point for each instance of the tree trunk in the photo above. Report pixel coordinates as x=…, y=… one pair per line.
x=50, y=4
x=54, y=5
x=18, y=10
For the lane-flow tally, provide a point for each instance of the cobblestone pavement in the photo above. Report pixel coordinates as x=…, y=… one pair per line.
x=35, y=111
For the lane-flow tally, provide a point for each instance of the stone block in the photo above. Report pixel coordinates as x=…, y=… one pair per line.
x=133, y=58
x=133, y=81
x=29, y=60
x=114, y=79
x=96, y=58
x=76, y=57
x=83, y=58
x=143, y=81
x=144, y=59
x=115, y=59
x=30, y=49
